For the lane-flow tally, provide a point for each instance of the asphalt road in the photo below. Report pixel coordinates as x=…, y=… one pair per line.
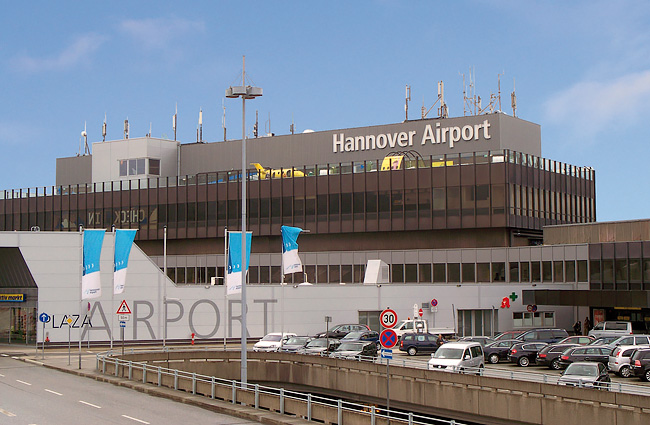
x=32, y=394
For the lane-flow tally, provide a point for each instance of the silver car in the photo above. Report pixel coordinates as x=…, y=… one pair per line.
x=586, y=374
x=619, y=360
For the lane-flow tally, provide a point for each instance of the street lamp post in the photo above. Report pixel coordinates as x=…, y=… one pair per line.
x=245, y=92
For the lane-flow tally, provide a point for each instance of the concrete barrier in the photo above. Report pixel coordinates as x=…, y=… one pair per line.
x=463, y=397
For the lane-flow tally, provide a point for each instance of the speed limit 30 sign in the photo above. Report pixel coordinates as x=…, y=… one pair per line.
x=388, y=318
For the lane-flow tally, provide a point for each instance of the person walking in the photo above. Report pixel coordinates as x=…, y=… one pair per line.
x=587, y=325
x=577, y=327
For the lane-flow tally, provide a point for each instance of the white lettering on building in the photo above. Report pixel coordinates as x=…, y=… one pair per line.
x=433, y=135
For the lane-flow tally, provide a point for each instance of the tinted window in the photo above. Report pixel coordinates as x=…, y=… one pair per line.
x=545, y=335
x=580, y=351
x=628, y=353
x=642, y=340
x=408, y=337
x=476, y=351
x=616, y=326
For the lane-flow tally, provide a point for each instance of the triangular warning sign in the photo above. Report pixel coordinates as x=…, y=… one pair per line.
x=124, y=308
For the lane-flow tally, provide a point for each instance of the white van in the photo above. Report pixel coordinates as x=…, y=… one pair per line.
x=458, y=357
x=617, y=328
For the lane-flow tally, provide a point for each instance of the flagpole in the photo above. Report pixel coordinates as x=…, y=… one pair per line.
x=164, y=300
x=225, y=284
x=113, y=291
x=81, y=254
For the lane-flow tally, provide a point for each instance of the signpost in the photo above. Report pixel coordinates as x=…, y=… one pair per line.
x=123, y=315
x=388, y=340
x=388, y=318
x=43, y=318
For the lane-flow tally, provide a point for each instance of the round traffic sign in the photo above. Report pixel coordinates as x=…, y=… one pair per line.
x=388, y=338
x=434, y=302
x=44, y=317
x=420, y=312
x=388, y=318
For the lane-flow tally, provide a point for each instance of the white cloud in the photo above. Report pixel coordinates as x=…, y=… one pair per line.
x=158, y=33
x=588, y=107
x=73, y=55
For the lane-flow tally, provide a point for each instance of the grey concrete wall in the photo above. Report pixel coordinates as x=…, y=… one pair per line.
x=619, y=231
x=74, y=170
x=316, y=148
x=465, y=397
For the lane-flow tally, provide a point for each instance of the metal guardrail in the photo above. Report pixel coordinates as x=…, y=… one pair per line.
x=544, y=378
x=238, y=392
x=521, y=376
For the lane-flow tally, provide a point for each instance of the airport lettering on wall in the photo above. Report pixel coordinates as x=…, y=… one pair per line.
x=145, y=318
x=432, y=134
x=133, y=215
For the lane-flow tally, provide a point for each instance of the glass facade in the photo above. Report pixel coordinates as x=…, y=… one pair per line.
x=428, y=194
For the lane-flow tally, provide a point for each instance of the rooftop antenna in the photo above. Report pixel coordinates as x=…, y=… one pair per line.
x=85, y=136
x=292, y=127
x=513, y=99
x=104, y=129
x=406, y=104
x=149, y=135
x=174, y=120
x=199, y=129
x=443, y=111
x=267, y=126
x=223, y=119
x=126, y=128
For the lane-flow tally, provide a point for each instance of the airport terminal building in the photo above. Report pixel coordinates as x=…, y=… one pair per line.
x=461, y=210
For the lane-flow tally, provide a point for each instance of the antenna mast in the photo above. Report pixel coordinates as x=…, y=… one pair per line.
x=126, y=128
x=443, y=111
x=174, y=120
x=104, y=129
x=199, y=129
x=406, y=105
x=223, y=119
x=513, y=99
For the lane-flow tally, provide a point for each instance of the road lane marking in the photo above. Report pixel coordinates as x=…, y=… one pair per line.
x=136, y=419
x=53, y=392
x=4, y=412
x=90, y=404
x=23, y=382
x=1, y=375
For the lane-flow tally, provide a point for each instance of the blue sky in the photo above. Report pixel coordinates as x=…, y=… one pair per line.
x=581, y=69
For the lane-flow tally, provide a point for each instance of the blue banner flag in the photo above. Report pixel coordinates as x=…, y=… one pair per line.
x=123, y=243
x=233, y=281
x=290, y=259
x=91, y=286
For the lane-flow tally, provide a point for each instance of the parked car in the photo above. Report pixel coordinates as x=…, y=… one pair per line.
x=339, y=331
x=587, y=353
x=458, y=357
x=603, y=340
x=550, y=355
x=630, y=340
x=525, y=353
x=414, y=343
x=508, y=335
x=586, y=374
x=640, y=363
x=498, y=350
x=272, y=341
x=617, y=328
x=547, y=335
x=355, y=350
x=483, y=340
x=295, y=343
x=320, y=346
x=363, y=336
x=619, y=360
x=577, y=339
